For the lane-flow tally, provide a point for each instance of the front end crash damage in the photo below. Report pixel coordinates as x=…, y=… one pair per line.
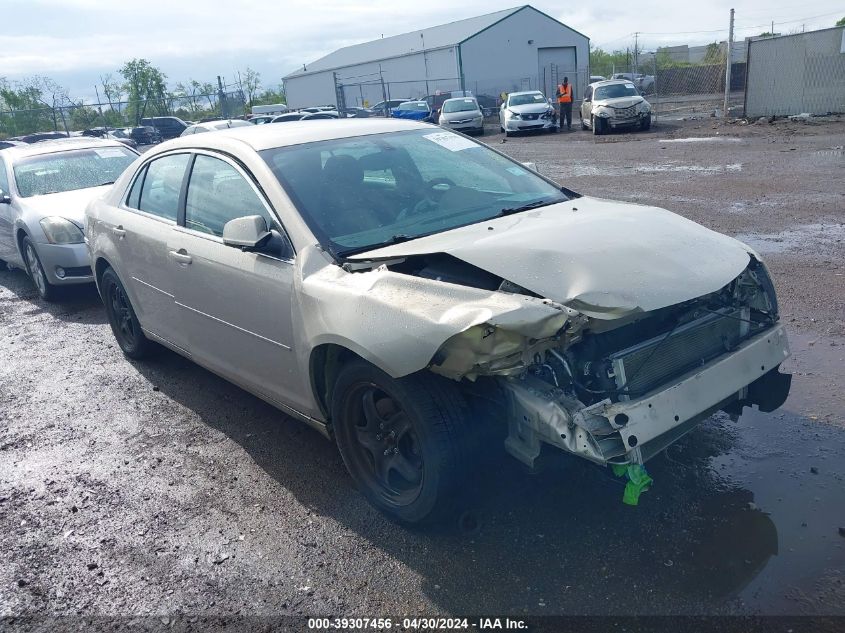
x=609, y=358
x=619, y=390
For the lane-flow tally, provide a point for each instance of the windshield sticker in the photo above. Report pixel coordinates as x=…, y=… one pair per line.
x=111, y=152
x=517, y=171
x=450, y=141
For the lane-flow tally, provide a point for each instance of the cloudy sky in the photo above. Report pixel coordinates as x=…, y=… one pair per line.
x=76, y=41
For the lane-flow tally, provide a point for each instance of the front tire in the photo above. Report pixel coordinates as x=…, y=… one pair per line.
x=46, y=290
x=402, y=440
x=645, y=124
x=598, y=126
x=124, y=324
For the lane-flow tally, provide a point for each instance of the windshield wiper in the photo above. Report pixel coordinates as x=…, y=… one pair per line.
x=103, y=184
x=395, y=239
x=528, y=207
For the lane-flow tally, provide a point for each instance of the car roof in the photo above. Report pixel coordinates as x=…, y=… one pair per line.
x=58, y=145
x=261, y=137
x=609, y=82
x=525, y=92
x=459, y=99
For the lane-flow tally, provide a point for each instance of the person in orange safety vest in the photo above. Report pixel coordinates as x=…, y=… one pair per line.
x=564, y=100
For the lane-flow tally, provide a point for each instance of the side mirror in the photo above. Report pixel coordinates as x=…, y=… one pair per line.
x=247, y=233
x=5, y=198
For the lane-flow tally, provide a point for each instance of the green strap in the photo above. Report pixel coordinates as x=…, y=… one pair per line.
x=638, y=481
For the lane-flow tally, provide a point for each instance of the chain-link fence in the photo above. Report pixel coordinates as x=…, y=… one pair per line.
x=370, y=91
x=694, y=90
x=76, y=117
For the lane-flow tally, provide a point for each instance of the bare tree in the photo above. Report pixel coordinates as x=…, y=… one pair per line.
x=112, y=90
x=250, y=84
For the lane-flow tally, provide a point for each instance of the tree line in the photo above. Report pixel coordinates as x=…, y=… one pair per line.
x=137, y=90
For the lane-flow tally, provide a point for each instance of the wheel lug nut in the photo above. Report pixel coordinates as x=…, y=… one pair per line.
x=387, y=452
x=392, y=434
x=378, y=437
x=381, y=426
x=395, y=450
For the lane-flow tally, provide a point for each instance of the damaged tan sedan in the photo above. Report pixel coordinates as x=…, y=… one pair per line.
x=412, y=293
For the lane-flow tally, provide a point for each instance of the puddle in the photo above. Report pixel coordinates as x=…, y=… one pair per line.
x=788, y=540
x=702, y=139
x=814, y=236
x=703, y=169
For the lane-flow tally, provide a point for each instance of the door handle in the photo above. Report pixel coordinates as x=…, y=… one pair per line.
x=119, y=231
x=181, y=256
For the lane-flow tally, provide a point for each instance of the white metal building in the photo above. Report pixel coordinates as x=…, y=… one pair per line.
x=515, y=49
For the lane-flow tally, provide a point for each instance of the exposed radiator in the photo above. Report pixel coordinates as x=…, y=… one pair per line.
x=647, y=365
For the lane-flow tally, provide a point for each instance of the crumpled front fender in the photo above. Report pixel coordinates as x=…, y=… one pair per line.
x=403, y=324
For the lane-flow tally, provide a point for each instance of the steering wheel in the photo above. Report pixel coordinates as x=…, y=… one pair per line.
x=427, y=203
x=434, y=182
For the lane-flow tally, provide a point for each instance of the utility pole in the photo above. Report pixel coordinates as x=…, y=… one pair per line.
x=221, y=96
x=383, y=91
x=636, y=52
x=728, y=67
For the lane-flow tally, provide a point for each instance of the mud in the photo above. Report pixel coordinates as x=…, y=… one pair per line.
x=157, y=488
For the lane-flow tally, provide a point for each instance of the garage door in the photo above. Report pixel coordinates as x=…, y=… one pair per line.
x=555, y=64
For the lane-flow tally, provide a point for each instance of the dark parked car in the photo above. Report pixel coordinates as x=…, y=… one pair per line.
x=145, y=135
x=167, y=126
x=359, y=113
x=383, y=108
x=43, y=136
x=487, y=104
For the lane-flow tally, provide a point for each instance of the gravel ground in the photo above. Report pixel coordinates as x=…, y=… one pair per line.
x=156, y=488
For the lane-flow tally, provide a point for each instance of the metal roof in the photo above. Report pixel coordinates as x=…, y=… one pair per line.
x=436, y=37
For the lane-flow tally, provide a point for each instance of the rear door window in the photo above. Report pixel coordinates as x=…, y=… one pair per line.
x=4, y=178
x=163, y=185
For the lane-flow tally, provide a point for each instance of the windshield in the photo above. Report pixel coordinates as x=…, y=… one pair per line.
x=362, y=192
x=615, y=90
x=71, y=170
x=414, y=105
x=460, y=105
x=518, y=100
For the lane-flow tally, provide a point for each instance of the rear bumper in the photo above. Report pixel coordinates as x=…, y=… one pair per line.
x=635, y=430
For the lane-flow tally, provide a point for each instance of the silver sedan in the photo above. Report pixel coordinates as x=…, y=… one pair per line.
x=44, y=189
x=462, y=114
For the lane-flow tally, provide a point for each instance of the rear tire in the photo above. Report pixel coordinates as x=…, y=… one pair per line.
x=403, y=441
x=124, y=324
x=583, y=125
x=46, y=290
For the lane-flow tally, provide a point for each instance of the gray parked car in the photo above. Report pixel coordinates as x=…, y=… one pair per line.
x=462, y=114
x=421, y=297
x=44, y=189
x=613, y=104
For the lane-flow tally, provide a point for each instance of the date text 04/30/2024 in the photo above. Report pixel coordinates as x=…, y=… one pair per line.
x=416, y=624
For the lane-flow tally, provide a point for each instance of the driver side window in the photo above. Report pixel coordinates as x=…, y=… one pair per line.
x=218, y=193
